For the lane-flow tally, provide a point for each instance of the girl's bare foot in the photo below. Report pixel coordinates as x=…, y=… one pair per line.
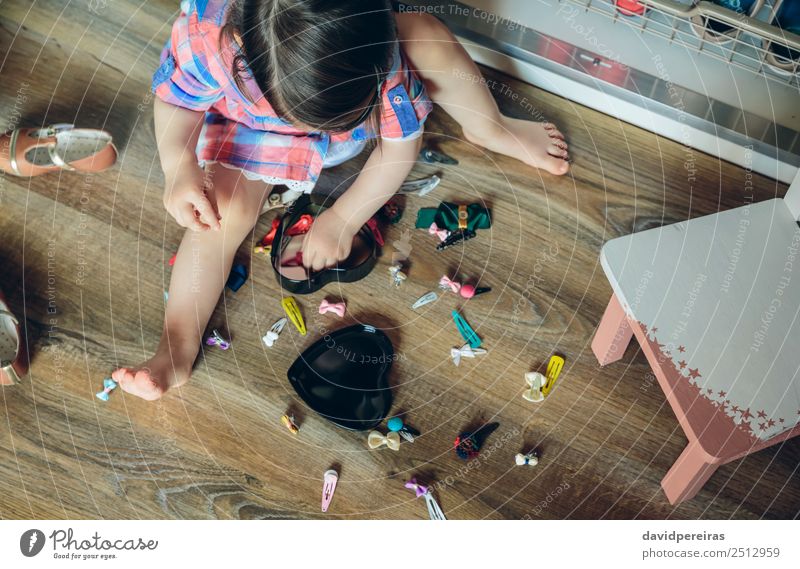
x=538, y=144
x=165, y=370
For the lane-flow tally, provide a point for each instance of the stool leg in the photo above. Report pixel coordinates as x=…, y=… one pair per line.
x=613, y=334
x=692, y=469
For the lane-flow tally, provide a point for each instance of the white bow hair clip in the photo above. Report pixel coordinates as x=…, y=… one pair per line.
x=465, y=351
x=273, y=333
x=535, y=380
x=376, y=439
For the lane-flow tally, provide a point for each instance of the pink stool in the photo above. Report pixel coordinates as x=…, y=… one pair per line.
x=709, y=303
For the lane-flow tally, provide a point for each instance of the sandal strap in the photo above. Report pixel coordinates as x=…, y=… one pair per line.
x=56, y=159
x=12, y=152
x=9, y=315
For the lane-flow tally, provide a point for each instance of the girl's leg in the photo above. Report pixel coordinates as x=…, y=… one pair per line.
x=454, y=82
x=201, y=269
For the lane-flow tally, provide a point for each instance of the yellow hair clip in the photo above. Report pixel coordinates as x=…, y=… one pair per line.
x=554, y=367
x=293, y=313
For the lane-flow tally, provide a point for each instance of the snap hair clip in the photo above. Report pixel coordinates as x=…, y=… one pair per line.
x=376, y=439
x=329, y=480
x=289, y=305
x=289, y=422
x=216, y=339
x=434, y=510
x=466, y=331
x=396, y=425
x=465, y=351
x=529, y=459
x=426, y=298
x=535, y=382
x=442, y=234
x=274, y=332
x=109, y=385
x=422, y=187
x=396, y=274
x=430, y=156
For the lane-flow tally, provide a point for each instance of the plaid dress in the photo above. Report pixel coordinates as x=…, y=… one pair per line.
x=195, y=73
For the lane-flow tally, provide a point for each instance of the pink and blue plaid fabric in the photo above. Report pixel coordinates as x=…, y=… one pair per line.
x=195, y=73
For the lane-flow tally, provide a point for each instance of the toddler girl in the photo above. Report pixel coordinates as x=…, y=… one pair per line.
x=256, y=93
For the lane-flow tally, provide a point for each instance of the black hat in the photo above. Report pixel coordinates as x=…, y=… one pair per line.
x=343, y=376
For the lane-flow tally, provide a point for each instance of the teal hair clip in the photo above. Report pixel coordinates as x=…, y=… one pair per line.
x=466, y=331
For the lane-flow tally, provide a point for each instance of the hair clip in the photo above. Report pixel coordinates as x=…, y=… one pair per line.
x=430, y=156
x=442, y=234
x=465, y=351
x=337, y=308
x=423, y=186
x=534, y=393
x=392, y=211
x=329, y=480
x=396, y=275
x=530, y=459
x=272, y=334
x=216, y=339
x=420, y=491
x=376, y=439
x=288, y=422
x=396, y=425
x=265, y=250
x=289, y=305
x=372, y=223
x=426, y=298
x=237, y=277
x=455, y=238
x=468, y=445
x=296, y=261
x=466, y=331
x=166, y=296
x=109, y=385
x=554, y=367
x=466, y=290
x=302, y=226
x=173, y=259
x=446, y=284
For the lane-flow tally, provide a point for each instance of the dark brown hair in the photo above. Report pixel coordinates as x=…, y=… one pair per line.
x=317, y=62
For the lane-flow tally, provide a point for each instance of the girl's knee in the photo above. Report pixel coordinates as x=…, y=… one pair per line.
x=425, y=39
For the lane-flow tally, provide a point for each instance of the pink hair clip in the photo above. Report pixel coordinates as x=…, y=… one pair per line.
x=329, y=480
x=445, y=283
x=466, y=290
x=442, y=234
x=337, y=308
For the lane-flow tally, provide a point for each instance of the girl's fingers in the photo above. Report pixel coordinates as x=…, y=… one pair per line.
x=188, y=219
x=208, y=215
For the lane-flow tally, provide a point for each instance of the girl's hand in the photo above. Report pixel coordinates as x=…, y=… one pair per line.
x=186, y=200
x=328, y=242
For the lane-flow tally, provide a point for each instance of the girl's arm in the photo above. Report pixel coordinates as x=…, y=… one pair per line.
x=331, y=236
x=177, y=130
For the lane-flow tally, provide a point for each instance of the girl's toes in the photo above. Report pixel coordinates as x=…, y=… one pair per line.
x=548, y=126
x=121, y=375
x=555, y=165
x=555, y=134
x=556, y=150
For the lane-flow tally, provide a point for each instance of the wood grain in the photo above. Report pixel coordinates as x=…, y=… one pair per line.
x=216, y=449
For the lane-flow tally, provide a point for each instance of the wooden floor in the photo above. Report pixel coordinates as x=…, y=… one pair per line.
x=84, y=259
